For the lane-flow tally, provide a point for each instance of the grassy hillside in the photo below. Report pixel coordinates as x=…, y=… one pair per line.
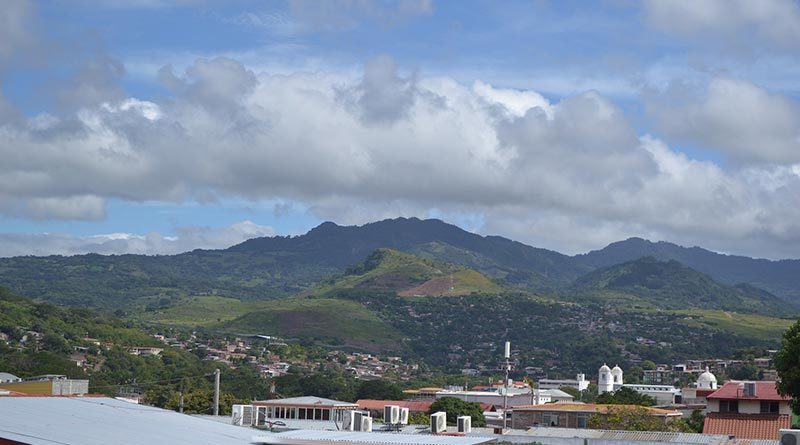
x=671, y=285
x=407, y=275
x=204, y=310
x=328, y=321
x=745, y=325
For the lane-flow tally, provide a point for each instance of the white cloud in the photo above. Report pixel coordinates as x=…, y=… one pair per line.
x=742, y=120
x=571, y=174
x=775, y=21
x=185, y=239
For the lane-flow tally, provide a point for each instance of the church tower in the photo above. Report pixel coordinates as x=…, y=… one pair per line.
x=605, y=380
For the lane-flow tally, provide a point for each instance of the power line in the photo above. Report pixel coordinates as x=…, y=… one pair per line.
x=153, y=381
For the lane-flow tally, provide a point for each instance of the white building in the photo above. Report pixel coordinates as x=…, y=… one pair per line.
x=707, y=380
x=605, y=380
x=580, y=383
x=516, y=396
x=664, y=394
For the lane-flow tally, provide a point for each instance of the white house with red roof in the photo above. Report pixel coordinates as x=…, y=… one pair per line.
x=747, y=410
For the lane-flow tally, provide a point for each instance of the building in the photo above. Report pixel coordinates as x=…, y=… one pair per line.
x=145, y=351
x=301, y=408
x=8, y=378
x=48, y=385
x=306, y=437
x=707, y=380
x=102, y=420
x=608, y=379
x=375, y=407
x=574, y=415
x=580, y=383
x=747, y=410
x=664, y=394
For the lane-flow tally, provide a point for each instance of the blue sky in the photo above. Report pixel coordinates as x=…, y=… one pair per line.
x=567, y=125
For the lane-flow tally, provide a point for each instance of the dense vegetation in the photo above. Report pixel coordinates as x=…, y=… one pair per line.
x=671, y=285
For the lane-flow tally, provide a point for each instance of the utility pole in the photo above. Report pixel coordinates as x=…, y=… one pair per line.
x=216, y=392
x=180, y=408
x=507, y=355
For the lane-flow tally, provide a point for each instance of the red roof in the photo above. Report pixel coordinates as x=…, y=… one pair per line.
x=414, y=407
x=735, y=390
x=747, y=426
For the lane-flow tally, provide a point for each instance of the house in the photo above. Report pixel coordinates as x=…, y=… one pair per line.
x=376, y=406
x=145, y=351
x=580, y=383
x=747, y=410
x=575, y=415
x=301, y=408
x=48, y=385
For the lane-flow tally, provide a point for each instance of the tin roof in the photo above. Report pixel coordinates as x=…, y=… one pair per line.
x=304, y=401
x=308, y=437
x=103, y=420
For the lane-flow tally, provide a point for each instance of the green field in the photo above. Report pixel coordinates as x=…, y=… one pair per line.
x=340, y=323
x=205, y=310
x=746, y=325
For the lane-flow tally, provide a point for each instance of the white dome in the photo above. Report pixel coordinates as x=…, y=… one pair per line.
x=707, y=380
x=617, y=370
x=605, y=368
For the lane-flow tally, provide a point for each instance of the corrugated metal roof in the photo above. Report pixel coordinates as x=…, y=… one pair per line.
x=102, y=421
x=304, y=437
x=305, y=400
x=620, y=436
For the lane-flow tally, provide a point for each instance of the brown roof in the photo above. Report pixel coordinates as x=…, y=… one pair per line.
x=594, y=408
x=747, y=426
x=734, y=390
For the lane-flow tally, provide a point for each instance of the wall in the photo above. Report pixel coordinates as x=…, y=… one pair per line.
x=34, y=388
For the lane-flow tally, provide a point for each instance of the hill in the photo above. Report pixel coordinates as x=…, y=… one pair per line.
x=332, y=322
x=671, y=285
x=406, y=274
x=781, y=278
x=275, y=267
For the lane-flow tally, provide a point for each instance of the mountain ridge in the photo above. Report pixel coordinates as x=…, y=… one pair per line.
x=280, y=266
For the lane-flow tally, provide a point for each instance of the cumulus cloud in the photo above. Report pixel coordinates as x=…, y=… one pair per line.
x=355, y=149
x=185, y=239
x=742, y=120
x=776, y=21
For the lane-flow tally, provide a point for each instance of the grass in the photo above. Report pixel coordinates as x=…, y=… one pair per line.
x=326, y=320
x=204, y=310
x=747, y=325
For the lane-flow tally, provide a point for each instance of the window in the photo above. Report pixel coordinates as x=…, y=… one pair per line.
x=550, y=419
x=729, y=406
x=583, y=420
x=768, y=407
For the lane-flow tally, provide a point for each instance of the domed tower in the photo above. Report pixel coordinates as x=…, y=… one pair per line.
x=605, y=380
x=616, y=375
x=707, y=380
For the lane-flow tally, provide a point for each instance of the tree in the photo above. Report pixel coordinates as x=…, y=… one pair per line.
x=625, y=396
x=648, y=365
x=380, y=390
x=695, y=421
x=456, y=407
x=787, y=363
x=745, y=372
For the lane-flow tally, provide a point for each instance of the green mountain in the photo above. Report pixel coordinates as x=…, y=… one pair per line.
x=781, y=278
x=275, y=267
x=671, y=285
x=331, y=322
x=407, y=274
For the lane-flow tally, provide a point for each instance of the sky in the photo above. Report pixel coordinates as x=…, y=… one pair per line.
x=157, y=127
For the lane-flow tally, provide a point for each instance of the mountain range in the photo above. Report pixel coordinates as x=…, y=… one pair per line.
x=280, y=266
